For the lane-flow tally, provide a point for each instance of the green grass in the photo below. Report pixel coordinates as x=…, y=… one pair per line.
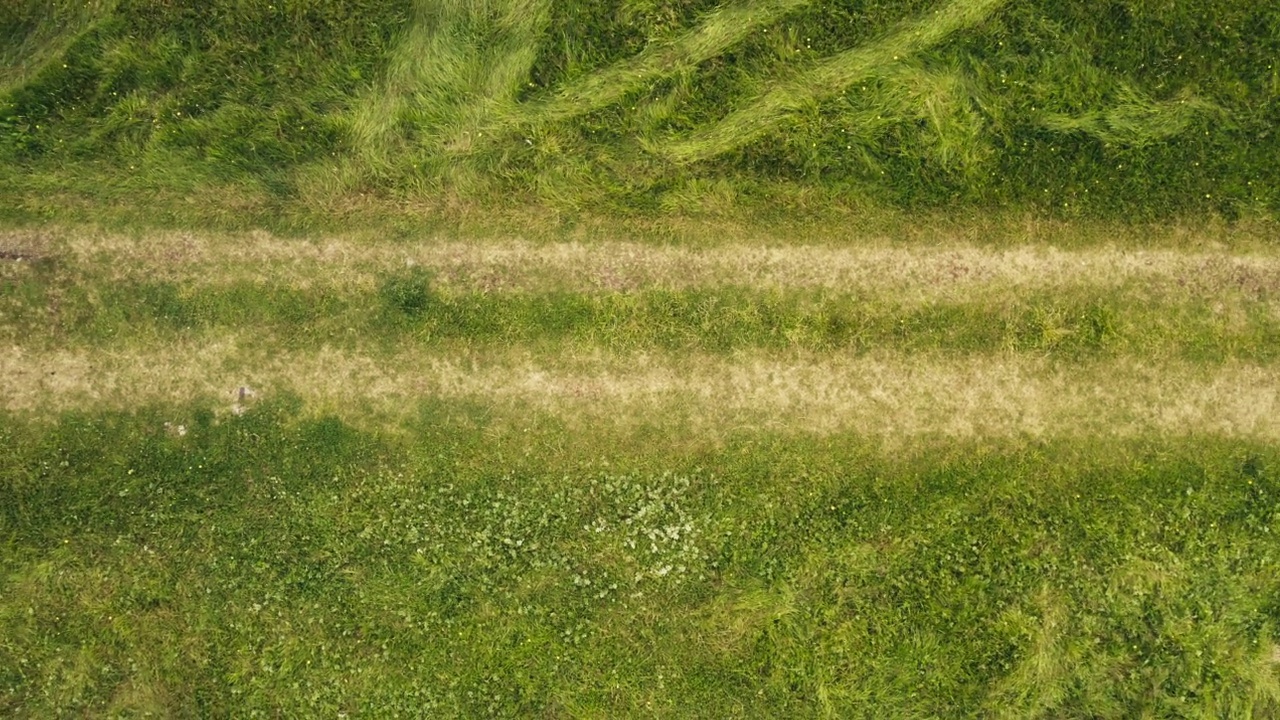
x=62, y=309
x=270, y=564
x=1132, y=110
x=617, y=491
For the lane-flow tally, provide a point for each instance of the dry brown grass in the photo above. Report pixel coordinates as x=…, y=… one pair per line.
x=875, y=267
x=888, y=396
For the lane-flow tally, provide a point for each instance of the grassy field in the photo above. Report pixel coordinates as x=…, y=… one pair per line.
x=769, y=358
x=595, y=478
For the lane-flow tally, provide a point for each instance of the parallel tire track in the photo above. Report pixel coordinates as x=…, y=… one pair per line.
x=885, y=393
x=888, y=395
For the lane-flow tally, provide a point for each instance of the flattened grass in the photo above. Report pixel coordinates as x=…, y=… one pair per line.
x=830, y=77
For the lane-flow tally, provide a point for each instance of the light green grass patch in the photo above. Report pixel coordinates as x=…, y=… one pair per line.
x=829, y=77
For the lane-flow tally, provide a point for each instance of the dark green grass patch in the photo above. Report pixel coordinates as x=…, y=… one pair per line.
x=276, y=564
x=209, y=93
x=1126, y=109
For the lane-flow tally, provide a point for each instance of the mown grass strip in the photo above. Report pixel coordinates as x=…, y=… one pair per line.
x=760, y=116
x=275, y=564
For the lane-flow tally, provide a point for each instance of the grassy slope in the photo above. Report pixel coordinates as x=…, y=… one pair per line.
x=311, y=109
x=871, y=452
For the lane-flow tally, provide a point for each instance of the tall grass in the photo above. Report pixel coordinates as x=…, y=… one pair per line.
x=1129, y=110
x=456, y=65
x=38, y=32
x=748, y=124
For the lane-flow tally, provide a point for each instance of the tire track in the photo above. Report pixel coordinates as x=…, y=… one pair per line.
x=925, y=273
x=889, y=395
